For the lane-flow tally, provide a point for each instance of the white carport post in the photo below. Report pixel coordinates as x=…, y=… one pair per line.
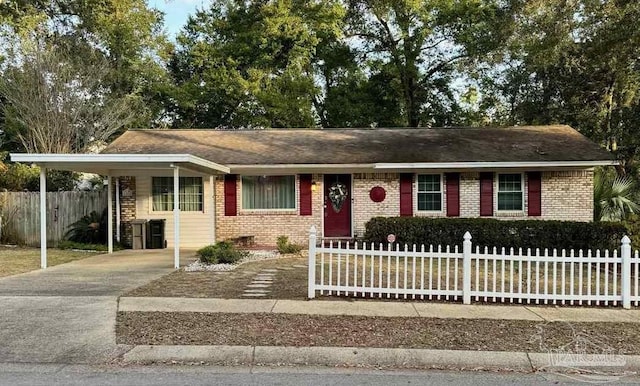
x=117, y=209
x=176, y=216
x=109, y=214
x=43, y=217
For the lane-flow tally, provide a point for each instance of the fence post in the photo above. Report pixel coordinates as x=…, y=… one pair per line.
x=466, y=269
x=626, y=272
x=312, y=262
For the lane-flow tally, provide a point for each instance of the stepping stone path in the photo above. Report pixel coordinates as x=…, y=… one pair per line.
x=260, y=284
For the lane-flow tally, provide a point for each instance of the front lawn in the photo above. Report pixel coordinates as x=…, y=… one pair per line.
x=290, y=281
x=19, y=260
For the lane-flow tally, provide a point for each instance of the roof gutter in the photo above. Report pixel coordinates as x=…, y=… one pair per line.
x=493, y=165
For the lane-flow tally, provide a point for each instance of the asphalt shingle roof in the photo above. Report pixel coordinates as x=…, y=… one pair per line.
x=363, y=146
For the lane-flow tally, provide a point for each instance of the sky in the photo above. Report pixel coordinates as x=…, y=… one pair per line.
x=176, y=12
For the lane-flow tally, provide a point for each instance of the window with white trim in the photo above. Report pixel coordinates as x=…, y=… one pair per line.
x=268, y=192
x=190, y=194
x=429, y=192
x=510, y=192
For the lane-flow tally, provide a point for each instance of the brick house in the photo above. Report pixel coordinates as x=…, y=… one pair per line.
x=283, y=181
x=266, y=183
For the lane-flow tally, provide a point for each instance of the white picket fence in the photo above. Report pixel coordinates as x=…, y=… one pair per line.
x=484, y=275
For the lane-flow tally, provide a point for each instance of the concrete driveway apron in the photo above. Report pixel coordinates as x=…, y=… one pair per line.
x=66, y=313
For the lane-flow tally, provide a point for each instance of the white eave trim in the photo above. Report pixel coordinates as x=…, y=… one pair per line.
x=239, y=169
x=493, y=165
x=131, y=159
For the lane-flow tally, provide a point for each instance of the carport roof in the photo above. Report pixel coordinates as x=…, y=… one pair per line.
x=104, y=163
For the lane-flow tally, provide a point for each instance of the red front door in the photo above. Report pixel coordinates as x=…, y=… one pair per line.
x=337, y=205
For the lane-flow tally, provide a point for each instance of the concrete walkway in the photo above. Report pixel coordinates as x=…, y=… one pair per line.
x=377, y=308
x=66, y=313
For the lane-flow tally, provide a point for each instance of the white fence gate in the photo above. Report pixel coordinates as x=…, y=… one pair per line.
x=513, y=276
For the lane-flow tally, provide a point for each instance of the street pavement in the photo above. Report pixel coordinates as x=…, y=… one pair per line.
x=33, y=375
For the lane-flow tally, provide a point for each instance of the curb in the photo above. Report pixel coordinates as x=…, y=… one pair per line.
x=358, y=357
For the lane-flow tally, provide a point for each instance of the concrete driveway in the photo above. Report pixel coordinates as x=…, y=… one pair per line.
x=66, y=313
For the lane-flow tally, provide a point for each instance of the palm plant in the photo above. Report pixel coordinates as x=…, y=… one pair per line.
x=91, y=229
x=615, y=197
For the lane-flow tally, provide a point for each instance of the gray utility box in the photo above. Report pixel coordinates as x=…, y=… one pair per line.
x=139, y=231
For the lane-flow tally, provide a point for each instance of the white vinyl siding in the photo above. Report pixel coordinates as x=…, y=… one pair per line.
x=195, y=227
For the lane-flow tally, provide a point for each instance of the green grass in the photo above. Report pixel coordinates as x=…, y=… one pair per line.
x=19, y=260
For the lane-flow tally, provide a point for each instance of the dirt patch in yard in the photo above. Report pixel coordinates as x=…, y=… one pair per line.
x=166, y=328
x=290, y=281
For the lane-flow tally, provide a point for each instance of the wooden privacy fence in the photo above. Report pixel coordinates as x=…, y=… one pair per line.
x=20, y=214
x=488, y=275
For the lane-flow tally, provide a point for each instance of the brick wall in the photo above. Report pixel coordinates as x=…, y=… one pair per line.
x=567, y=195
x=364, y=208
x=127, y=208
x=266, y=226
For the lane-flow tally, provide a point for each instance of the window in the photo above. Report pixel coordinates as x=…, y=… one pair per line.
x=429, y=192
x=190, y=194
x=510, y=192
x=268, y=192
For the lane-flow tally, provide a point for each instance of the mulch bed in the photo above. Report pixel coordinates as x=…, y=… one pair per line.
x=184, y=328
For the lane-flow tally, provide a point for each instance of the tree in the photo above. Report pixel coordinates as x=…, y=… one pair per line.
x=54, y=105
x=615, y=197
x=249, y=63
x=577, y=62
x=419, y=43
x=127, y=34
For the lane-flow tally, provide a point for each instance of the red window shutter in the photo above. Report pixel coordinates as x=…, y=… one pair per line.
x=453, y=194
x=305, y=195
x=534, y=192
x=486, y=194
x=230, y=195
x=406, y=194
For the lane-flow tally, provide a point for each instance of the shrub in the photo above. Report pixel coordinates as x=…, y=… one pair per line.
x=284, y=246
x=222, y=252
x=90, y=229
x=497, y=233
x=633, y=225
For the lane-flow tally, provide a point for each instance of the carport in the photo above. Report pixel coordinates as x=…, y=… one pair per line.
x=117, y=165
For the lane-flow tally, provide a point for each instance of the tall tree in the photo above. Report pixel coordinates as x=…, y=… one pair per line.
x=578, y=62
x=126, y=33
x=420, y=42
x=249, y=63
x=54, y=105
